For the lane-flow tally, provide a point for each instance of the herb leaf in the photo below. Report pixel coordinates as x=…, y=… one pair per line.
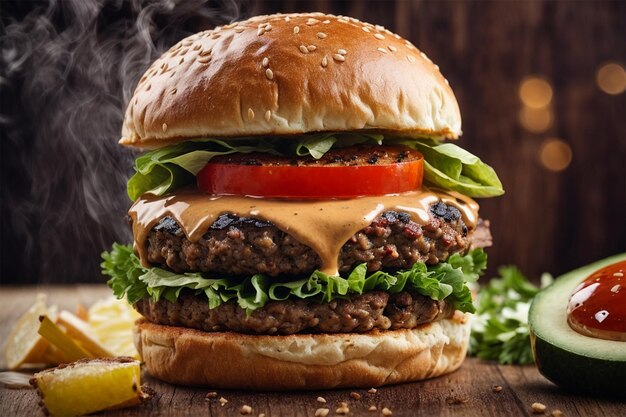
x=500, y=330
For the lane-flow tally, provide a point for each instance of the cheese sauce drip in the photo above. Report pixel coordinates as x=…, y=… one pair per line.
x=324, y=226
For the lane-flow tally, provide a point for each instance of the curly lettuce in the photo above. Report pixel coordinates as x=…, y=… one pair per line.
x=446, y=280
x=446, y=165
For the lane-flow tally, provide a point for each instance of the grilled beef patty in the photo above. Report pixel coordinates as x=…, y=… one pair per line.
x=371, y=310
x=244, y=246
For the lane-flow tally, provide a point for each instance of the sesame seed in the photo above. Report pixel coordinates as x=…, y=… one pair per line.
x=343, y=404
x=618, y=274
x=215, y=36
x=204, y=60
x=239, y=29
x=324, y=61
x=557, y=413
x=326, y=22
x=436, y=66
x=311, y=21
x=260, y=32
x=268, y=27
x=372, y=390
x=339, y=58
x=287, y=19
x=266, y=62
x=496, y=388
x=372, y=408
x=355, y=395
x=395, y=35
x=321, y=400
x=447, y=82
x=268, y=115
x=387, y=412
x=304, y=49
x=538, y=408
x=211, y=395
x=269, y=74
x=410, y=58
x=379, y=36
x=615, y=288
x=342, y=20
x=250, y=114
x=181, y=60
x=223, y=401
x=392, y=48
x=321, y=35
x=164, y=127
x=383, y=50
x=296, y=30
x=246, y=409
x=342, y=51
x=196, y=47
x=322, y=412
x=379, y=28
x=205, y=52
x=342, y=410
x=365, y=29
x=311, y=48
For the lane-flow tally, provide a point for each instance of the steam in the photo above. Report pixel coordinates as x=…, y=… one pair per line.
x=68, y=68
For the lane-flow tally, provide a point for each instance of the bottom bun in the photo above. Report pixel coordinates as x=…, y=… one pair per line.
x=302, y=361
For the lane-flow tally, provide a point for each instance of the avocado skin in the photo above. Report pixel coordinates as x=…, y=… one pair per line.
x=579, y=373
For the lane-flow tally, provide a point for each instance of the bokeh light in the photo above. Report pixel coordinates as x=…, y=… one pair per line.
x=555, y=154
x=535, y=120
x=535, y=92
x=611, y=78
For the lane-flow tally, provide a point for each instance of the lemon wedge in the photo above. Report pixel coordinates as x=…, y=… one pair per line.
x=88, y=386
x=111, y=322
x=24, y=344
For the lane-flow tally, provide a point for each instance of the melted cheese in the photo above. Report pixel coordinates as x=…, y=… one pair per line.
x=324, y=226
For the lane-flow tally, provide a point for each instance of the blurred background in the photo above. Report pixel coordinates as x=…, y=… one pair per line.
x=540, y=85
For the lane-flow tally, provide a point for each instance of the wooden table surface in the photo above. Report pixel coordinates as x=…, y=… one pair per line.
x=467, y=392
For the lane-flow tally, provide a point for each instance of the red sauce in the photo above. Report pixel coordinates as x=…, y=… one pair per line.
x=597, y=307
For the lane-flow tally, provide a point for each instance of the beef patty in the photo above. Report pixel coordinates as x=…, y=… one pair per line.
x=362, y=313
x=245, y=246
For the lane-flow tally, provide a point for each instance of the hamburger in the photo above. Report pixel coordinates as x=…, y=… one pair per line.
x=298, y=221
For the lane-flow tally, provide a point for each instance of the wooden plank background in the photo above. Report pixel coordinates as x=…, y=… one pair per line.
x=466, y=392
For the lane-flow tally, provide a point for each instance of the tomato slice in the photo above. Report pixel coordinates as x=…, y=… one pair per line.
x=311, y=181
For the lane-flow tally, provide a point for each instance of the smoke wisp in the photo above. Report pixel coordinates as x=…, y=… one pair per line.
x=67, y=70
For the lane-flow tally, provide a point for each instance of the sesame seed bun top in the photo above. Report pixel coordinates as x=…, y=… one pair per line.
x=289, y=74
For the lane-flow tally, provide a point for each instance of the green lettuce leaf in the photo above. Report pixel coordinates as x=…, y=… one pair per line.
x=453, y=168
x=165, y=169
x=446, y=165
x=444, y=281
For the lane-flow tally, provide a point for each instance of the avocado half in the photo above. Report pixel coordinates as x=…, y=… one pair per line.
x=569, y=359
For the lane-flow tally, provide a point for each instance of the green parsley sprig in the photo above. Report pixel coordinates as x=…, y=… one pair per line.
x=500, y=328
